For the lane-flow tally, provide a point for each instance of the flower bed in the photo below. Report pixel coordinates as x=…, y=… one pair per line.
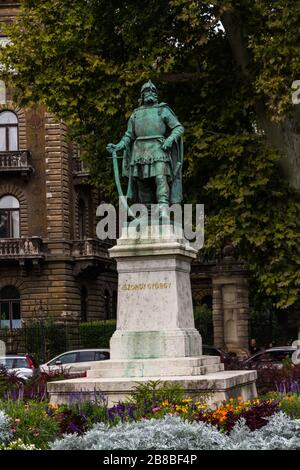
x=38, y=425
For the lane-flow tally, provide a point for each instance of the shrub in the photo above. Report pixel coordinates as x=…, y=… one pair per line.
x=80, y=415
x=288, y=403
x=281, y=433
x=30, y=422
x=204, y=322
x=173, y=433
x=97, y=334
x=153, y=392
x=18, y=444
x=284, y=380
x=11, y=385
x=5, y=431
x=167, y=433
x=226, y=416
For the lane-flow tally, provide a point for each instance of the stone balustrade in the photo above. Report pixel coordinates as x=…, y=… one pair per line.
x=91, y=247
x=15, y=161
x=21, y=247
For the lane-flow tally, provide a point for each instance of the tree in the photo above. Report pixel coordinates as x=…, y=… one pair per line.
x=226, y=67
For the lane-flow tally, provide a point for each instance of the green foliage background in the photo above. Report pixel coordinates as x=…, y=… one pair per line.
x=86, y=61
x=96, y=334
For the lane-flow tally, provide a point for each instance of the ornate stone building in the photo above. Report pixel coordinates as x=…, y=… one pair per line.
x=51, y=263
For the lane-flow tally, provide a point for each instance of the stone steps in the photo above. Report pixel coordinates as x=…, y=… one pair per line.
x=183, y=366
x=221, y=385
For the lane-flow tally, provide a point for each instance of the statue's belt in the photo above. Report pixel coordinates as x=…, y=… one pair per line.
x=150, y=137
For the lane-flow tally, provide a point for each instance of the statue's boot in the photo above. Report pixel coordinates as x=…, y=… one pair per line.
x=164, y=214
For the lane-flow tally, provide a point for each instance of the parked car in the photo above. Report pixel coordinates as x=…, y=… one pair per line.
x=75, y=361
x=23, y=366
x=214, y=351
x=271, y=356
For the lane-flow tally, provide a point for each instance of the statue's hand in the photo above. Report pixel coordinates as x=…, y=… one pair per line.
x=110, y=148
x=167, y=144
x=114, y=147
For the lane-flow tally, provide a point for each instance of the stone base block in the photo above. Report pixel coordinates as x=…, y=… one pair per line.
x=220, y=386
x=184, y=366
x=179, y=342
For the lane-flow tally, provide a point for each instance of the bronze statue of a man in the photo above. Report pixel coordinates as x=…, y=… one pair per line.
x=152, y=152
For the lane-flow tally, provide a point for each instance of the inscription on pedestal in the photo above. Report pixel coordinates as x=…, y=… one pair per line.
x=145, y=286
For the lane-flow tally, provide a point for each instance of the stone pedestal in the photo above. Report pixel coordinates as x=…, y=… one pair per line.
x=155, y=311
x=156, y=337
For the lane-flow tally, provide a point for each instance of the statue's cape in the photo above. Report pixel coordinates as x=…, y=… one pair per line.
x=176, y=163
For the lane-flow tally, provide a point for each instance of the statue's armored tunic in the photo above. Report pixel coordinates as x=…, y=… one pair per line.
x=148, y=127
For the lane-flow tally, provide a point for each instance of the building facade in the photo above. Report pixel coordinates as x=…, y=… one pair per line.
x=51, y=263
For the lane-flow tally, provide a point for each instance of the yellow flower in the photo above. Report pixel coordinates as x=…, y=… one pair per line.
x=165, y=403
x=201, y=407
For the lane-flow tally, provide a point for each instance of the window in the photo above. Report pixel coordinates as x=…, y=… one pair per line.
x=64, y=359
x=86, y=356
x=101, y=355
x=8, y=131
x=82, y=219
x=9, y=217
x=10, y=307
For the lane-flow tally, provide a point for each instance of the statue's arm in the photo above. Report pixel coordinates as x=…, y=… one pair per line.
x=129, y=135
x=127, y=138
x=176, y=128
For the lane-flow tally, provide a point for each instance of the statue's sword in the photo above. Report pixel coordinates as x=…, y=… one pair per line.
x=122, y=197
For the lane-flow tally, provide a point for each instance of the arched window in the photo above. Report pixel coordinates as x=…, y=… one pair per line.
x=82, y=219
x=84, y=303
x=10, y=307
x=9, y=217
x=107, y=304
x=8, y=131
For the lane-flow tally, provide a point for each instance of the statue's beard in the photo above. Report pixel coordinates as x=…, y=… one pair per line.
x=150, y=98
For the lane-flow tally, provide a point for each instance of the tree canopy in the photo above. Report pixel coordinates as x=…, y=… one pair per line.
x=226, y=68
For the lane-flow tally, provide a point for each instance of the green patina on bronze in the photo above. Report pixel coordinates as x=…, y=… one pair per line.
x=152, y=152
